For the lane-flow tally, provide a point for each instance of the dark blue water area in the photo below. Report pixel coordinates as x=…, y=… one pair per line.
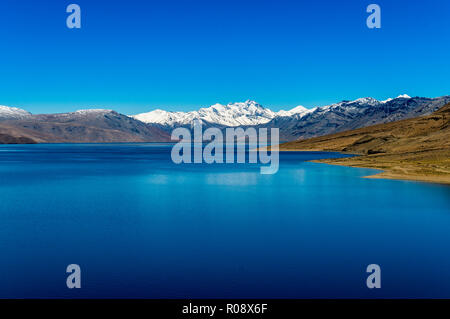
x=141, y=226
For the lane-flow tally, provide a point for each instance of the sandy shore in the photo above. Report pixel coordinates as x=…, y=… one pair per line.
x=395, y=169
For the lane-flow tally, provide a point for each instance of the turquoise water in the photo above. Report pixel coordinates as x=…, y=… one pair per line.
x=140, y=226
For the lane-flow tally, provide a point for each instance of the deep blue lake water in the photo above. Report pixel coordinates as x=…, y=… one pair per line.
x=141, y=226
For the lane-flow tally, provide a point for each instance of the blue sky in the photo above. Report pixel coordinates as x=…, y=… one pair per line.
x=134, y=56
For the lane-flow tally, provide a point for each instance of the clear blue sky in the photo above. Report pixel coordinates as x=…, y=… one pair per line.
x=134, y=56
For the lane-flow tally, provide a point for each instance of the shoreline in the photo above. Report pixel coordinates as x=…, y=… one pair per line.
x=387, y=170
x=386, y=174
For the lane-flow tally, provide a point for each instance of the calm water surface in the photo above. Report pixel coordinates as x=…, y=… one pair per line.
x=141, y=226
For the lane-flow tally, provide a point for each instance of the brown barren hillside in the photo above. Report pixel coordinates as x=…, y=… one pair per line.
x=415, y=149
x=9, y=139
x=89, y=126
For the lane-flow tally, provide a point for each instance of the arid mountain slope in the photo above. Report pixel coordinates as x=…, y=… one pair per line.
x=9, y=139
x=417, y=148
x=349, y=115
x=93, y=126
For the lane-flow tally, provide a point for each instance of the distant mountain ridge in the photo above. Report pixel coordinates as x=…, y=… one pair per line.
x=84, y=126
x=300, y=122
x=233, y=114
x=348, y=115
x=103, y=126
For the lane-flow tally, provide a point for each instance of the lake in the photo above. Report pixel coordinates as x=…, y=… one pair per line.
x=141, y=226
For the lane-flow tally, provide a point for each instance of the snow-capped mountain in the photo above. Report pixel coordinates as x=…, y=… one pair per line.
x=301, y=110
x=401, y=96
x=233, y=114
x=348, y=115
x=250, y=113
x=12, y=113
x=101, y=125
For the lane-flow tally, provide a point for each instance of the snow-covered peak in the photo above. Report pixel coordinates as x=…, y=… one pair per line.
x=296, y=110
x=232, y=114
x=366, y=101
x=7, y=112
x=401, y=96
x=160, y=117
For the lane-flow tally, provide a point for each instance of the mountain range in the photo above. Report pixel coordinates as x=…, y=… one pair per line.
x=246, y=113
x=348, y=115
x=300, y=122
x=101, y=126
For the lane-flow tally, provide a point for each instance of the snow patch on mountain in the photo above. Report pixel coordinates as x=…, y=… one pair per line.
x=296, y=110
x=93, y=111
x=401, y=96
x=7, y=112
